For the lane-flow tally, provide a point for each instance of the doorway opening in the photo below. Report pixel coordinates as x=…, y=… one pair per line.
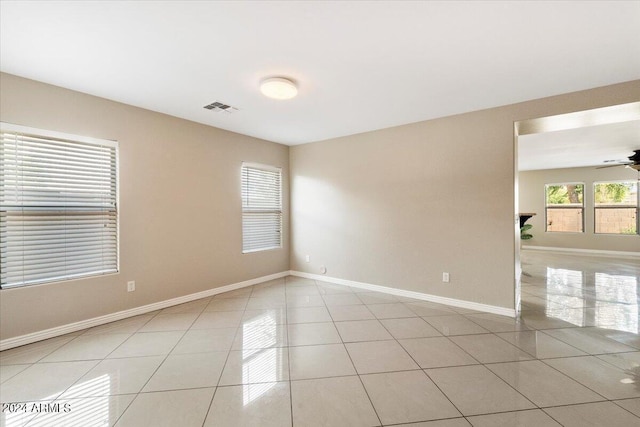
x=571, y=156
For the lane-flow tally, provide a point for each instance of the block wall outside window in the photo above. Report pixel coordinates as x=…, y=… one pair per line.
x=616, y=207
x=564, y=207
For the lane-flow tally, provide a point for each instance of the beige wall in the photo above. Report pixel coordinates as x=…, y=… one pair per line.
x=180, y=209
x=394, y=207
x=399, y=206
x=531, y=199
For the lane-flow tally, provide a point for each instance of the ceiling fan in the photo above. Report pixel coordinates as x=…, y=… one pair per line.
x=633, y=162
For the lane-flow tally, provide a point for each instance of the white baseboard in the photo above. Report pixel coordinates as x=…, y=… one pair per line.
x=101, y=320
x=592, y=252
x=410, y=294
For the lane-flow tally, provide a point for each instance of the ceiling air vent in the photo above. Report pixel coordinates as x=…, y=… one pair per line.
x=219, y=106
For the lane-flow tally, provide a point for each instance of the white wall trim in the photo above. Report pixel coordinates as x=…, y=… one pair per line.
x=101, y=320
x=410, y=294
x=592, y=252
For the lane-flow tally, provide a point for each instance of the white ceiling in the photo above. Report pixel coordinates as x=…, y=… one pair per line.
x=360, y=65
x=586, y=146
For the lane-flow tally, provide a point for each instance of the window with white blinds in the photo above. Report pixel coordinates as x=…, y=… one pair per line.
x=58, y=206
x=261, y=207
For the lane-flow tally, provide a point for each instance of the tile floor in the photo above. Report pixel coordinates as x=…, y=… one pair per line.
x=299, y=352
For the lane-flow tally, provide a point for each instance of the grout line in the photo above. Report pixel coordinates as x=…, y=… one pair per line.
x=286, y=331
x=353, y=365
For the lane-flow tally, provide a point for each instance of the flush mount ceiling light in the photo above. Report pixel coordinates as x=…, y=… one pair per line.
x=278, y=88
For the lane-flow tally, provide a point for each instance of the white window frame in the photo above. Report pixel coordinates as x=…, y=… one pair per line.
x=249, y=244
x=16, y=206
x=637, y=207
x=546, y=207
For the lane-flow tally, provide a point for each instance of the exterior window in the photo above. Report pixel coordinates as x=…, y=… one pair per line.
x=564, y=207
x=261, y=207
x=58, y=206
x=616, y=207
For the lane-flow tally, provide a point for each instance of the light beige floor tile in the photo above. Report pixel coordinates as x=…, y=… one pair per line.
x=227, y=304
x=218, y=319
x=31, y=353
x=496, y=323
x=313, y=333
x=148, y=344
x=328, y=402
x=529, y=418
x=263, y=303
x=379, y=356
x=281, y=281
x=377, y=298
x=542, y=384
x=305, y=301
x=451, y=422
x=87, y=411
x=461, y=310
x=476, y=390
x=18, y=417
x=538, y=320
x=261, y=336
x=115, y=376
x=274, y=293
x=124, y=326
x=43, y=381
x=362, y=330
x=181, y=371
x=189, y=307
x=332, y=289
x=341, y=313
x=9, y=371
x=293, y=291
x=87, y=347
x=455, y=325
x=308, y=315
x=631, y=405
x=271, y=284
x=404, y=397
x=267, y=404
x=588, y=341
x=413, y=327
x=436, y=352
x=427, y=310
x=341, y=299
x=599, y=376
x=319, y=361
x=299, y=281
x=490, y=348
x=593, y=415
x=631, y=339
x=391, y=311
x=264, y=365
x=540, y=345
x=169, y=322
x=205, y=340
x=267, y=316
x=184, y=408
x=624, y=361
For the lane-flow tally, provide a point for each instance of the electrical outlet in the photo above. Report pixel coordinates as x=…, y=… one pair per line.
x=445, y=277
x=307, y=258
x=131, y=286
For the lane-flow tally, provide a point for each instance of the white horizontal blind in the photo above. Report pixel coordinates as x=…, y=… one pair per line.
x=261, y=208
x=58, y=206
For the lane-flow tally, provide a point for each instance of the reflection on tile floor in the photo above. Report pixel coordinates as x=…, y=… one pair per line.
x=299, y=352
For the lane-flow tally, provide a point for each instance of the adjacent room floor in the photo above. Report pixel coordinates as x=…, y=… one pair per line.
x=299, y=352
